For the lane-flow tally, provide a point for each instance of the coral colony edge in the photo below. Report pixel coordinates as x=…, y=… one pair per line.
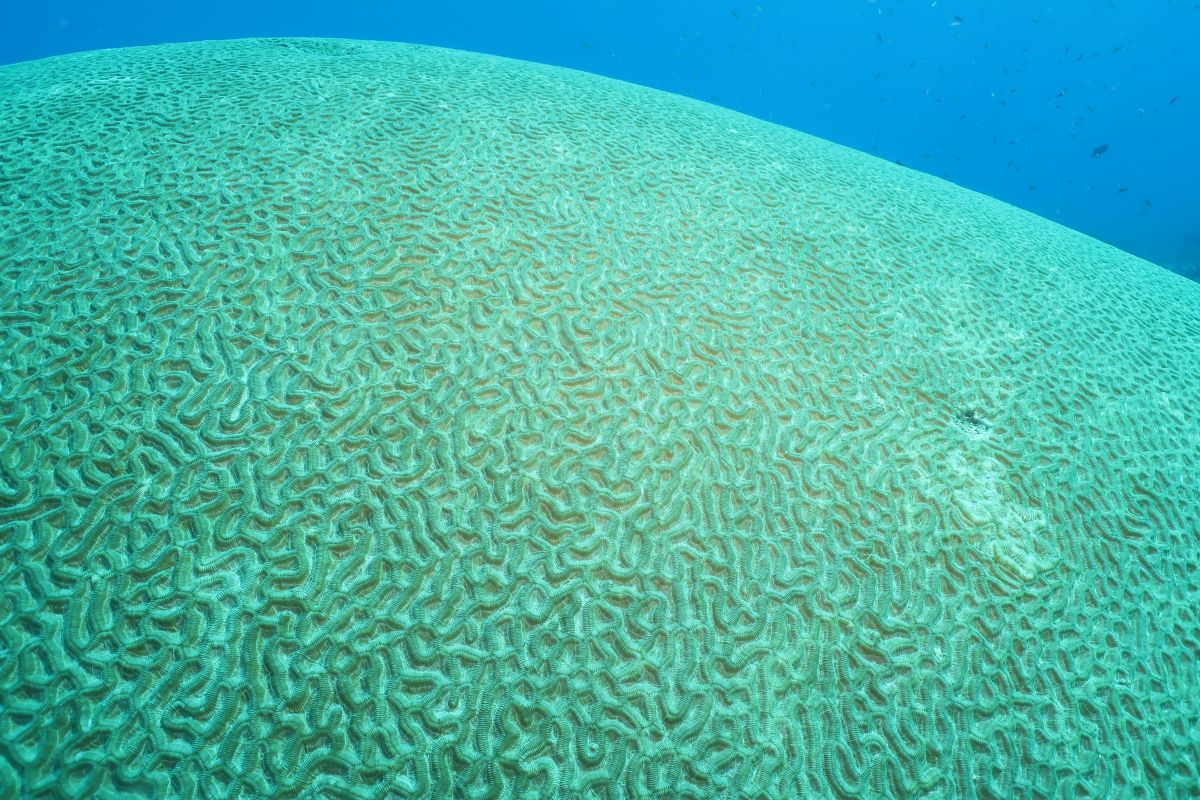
x=389, y=421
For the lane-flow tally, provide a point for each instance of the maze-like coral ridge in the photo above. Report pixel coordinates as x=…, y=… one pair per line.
x=380, y=421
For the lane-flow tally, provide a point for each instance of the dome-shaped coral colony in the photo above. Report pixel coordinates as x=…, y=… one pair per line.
x=386, y=421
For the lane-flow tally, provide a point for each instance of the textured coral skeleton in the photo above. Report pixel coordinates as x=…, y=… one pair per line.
x=384, y=421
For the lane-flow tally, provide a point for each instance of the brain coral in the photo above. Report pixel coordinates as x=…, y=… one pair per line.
x=383, y=421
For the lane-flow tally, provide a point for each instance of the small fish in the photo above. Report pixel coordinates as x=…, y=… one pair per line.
x=1099, y=150
x=1172, y=101
x=1123, y=190
x=957, y=21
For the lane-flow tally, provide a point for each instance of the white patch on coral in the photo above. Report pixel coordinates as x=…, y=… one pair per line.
x=1012, y=534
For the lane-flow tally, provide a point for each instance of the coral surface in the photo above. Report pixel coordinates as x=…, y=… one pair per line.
x=382, y=421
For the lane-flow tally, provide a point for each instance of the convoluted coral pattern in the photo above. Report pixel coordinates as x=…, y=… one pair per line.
x=380, y=421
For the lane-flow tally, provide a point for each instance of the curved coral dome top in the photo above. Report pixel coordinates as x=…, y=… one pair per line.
x=387, y=421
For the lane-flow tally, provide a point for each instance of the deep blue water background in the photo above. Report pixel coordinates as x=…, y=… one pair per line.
x=1008, y=98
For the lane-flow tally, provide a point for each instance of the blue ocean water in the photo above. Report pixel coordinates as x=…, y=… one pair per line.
x=1086, y=111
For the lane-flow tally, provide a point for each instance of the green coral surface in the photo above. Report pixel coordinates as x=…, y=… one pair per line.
x=383, y=421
